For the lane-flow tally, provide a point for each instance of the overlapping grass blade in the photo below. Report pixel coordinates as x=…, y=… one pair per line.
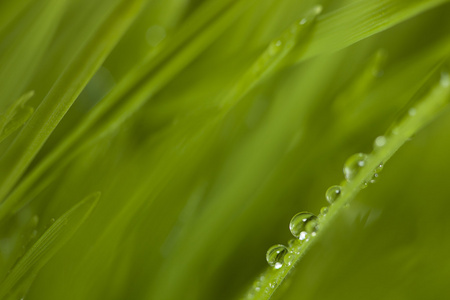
x=16, y=115
x=49, y=243
x=63, y=94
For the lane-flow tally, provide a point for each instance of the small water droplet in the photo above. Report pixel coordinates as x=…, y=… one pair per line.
x=274, y=47
x=275, y=255
x=395, y=131
x=380, y=142
x=291, y=242
x=303, y=223
x=290, y=258
x=353, y=165
x=324, y=211
x=34, y=220
x=379, y=168
x=377, y=173
x=333, y=193
x=445, y=79
x=52, y=220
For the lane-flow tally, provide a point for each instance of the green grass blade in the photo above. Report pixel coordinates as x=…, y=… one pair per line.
x=9, y=10
x=63, y=94
x=419, y=115
x=16, y=115
x=19, y=57
x=361, y=19
x=130, y=95
x=49, y=243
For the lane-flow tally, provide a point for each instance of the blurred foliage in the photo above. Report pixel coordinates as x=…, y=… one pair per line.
x=204, y=139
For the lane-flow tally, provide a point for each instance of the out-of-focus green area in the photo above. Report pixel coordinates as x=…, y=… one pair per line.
x=193, y=193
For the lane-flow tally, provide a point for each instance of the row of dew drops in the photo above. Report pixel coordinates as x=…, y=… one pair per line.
x=304, y=225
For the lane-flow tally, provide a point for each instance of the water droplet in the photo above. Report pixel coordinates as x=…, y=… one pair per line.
x=293, y=243
x=353, y=165
x=377, y=173
x=445, y=79
x=34, y=220
x=275, y=256
x=379, y=168
x=303, y=223
x=290, y=258
x=324, y=211
x=274, y=47
x=52, y=220
x=379, y=142
x=395, y=131
x=333, y=193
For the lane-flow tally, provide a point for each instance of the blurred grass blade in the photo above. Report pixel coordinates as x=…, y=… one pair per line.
x=137, y=89
x=49, y=243
x=9, y=10
x=21, y=49
x=16, y=115
x=63, y=94
x=361, y=19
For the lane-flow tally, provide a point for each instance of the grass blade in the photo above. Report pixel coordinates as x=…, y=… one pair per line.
x=17, y=114
x=63, y=94
x=419, y=115
x=49, y=243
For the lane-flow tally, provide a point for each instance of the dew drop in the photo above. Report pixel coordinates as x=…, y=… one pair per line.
x=303, y=223
x=291, y=242
x=377, y=173
x=324, y=211
x=333, y=193
x=274, y=47
x=289, y=259
x=275, y=256
x=353, y=165
x=380, y=142
x=445, y=79
x=34, y=220
x=395, y=131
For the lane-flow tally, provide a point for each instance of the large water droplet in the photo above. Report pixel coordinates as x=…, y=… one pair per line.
x=302, y=224
x=380, y=142
x=275, y=256
x=333, y=193
x=353, y=165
